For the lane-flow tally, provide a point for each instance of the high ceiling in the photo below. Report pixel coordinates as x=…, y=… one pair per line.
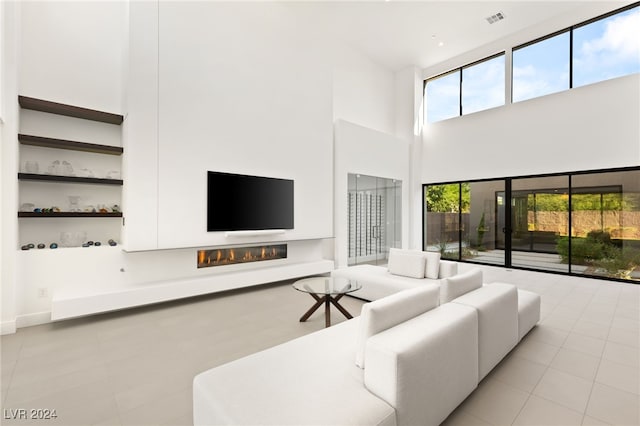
x=398, y=34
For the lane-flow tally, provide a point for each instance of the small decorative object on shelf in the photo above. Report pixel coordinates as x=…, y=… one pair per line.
x=41, y=246
x=74, y=203
x=112, y=243
x=25, y=247
x=86, y=245
x=97, y=244
x=85, y=173
x=31, y=167
x=113, y=174
x=73, y=239
x=115, y=208
x=27, y=207
x=90, y=243
x=53, y=246
x=31, y=245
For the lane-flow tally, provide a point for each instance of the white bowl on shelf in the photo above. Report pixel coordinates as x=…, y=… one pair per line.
x=72, y=238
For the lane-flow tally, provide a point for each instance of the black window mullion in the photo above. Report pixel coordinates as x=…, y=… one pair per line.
x=570, y=207
x=460, y=215
x=460, y=94
x=507, y=223
x=570, y=61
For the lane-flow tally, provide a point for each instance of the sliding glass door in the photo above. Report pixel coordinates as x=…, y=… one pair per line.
x=539, y=220
x=374, y=218
x=582, y=223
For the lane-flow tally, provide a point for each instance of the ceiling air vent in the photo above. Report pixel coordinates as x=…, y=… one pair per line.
x=495, y=18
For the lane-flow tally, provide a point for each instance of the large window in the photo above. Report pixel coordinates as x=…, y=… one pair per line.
x=474, y=87
x=600, y=49
x=594, y=51
x=582, y=223
x=541, y=68
x=442, y=97
x=607, y=48
x=483, y=85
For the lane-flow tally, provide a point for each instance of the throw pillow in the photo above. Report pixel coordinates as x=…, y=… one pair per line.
x=432, y=269
x=406, y=263
x=456, y=286
x=392, y=310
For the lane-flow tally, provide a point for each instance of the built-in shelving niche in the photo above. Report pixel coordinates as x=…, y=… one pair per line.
x=46, y=106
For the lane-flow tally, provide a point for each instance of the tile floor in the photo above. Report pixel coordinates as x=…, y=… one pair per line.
x=579, y=366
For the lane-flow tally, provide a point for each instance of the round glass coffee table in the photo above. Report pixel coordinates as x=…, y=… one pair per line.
x=327, y=291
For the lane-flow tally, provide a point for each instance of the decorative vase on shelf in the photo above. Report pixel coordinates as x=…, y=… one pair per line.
x=73, y=239
x=74, y=203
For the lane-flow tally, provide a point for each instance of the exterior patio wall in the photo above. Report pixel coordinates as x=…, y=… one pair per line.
x=621, y=225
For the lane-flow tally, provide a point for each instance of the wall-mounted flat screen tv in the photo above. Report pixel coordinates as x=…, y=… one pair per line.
x=246, y=203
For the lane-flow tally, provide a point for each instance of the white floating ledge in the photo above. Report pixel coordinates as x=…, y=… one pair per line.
x=256, y=233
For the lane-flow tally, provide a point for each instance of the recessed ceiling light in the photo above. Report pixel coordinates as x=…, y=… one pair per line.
x=441, y=44
x=495, y=18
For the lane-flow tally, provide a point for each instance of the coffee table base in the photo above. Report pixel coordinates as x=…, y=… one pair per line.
x=327, y=300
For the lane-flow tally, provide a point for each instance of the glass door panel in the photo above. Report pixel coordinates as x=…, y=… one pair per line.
x=442, y=226
x=539, y=222
x=605, y=223
x=374, y=223
x=484, y=236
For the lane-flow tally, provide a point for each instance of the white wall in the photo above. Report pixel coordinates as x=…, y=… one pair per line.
x=71, y=52
x=408, y=108
x=263, y=104
x=9, y=27
x=258, y=103
x=363, y=92
x=362, y=150
x=591, y=127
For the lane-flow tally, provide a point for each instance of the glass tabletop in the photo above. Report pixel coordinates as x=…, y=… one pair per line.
x=326, y=285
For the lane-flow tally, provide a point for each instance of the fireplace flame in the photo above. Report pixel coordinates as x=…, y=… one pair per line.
x=228, y=256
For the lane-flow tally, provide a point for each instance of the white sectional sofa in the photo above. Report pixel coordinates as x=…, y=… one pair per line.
x=406, y=269
x=410, y=359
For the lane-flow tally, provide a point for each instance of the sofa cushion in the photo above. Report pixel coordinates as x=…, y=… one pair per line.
x=528, y=311
x=406, y=263
x=456, y=286
x=377, y=282
x=304, y=381
x=432, y=269
x=427, y=366
x=447, y=269
x=497, y=306
x=392, y=310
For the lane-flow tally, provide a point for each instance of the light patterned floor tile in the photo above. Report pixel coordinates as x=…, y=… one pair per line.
x=614, y=406
x=576, y=363
x=564, y=389
x=619, y=376
x=538, y=411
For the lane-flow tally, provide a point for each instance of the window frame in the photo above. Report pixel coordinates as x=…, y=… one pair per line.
x=570, y=30
x=459, y=70
x=508, y=180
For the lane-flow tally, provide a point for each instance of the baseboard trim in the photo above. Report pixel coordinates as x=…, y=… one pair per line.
x=33, y=319
x=7, y=327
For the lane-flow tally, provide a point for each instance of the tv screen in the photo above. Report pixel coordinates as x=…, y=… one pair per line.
x=243, y=203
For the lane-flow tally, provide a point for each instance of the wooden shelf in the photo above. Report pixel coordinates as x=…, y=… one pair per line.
x=68, y=179
x=69, y=110
x=70, y=145
x=69, y=214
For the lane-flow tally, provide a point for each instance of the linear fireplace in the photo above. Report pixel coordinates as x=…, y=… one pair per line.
x=233, y=255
